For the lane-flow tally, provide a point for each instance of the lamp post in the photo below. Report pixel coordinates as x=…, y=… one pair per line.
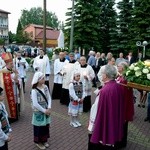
x=144, y=44
x=44, y=26
x=72, y=26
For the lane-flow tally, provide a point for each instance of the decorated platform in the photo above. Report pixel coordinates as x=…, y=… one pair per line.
x=138, y=86
x=138, y=75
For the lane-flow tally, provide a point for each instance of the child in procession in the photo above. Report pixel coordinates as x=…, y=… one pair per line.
x=41, y=102
x=77, y=94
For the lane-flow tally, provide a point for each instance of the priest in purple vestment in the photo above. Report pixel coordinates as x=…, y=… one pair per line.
x=109, y=121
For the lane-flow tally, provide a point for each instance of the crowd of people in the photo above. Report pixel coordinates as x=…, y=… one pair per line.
x=74, y=78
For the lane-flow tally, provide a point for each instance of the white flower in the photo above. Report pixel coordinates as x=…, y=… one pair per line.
x=127, y=73
x=148, y=76
x=138, y=73
x=136, y=68
x=131, y=67
x=145, y=71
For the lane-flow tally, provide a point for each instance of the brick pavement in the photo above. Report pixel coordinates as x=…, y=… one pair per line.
x=64, y=137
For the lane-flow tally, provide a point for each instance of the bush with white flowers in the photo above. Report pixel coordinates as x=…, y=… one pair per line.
x=138, y=73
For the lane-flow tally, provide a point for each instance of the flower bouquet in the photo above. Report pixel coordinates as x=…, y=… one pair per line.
x=138, y=75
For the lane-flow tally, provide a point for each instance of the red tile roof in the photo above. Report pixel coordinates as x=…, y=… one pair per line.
x=39, y=26
x=5, y=12
x=50, y=34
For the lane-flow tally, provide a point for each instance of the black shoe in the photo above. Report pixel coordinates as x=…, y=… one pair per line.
x=143, y=106
x=139, y=105
x=147, y=119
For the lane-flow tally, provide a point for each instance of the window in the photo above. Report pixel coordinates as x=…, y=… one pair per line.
x=1, y=20
x=1, y=32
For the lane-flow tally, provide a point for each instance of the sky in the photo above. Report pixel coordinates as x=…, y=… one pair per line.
x=59, y=7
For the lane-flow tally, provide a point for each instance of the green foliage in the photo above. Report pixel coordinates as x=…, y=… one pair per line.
x=19, y=27
x=50, y=54
x=21, y=37
x=12, y=37
x=98, y=26
x=86, y=27
x=2, y=41
x=108, y=26
x=35, y=16
x=124, y=22
x=139, y=28
x=94, y=25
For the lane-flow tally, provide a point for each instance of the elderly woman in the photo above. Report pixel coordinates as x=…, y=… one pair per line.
x=109, y=121
x=129, y=102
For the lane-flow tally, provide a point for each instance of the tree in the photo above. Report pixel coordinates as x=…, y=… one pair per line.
x=140, y=25
x=108, y=27
x=2, y=41
x=12, y=37
x=86, y=24
x=21, y=37
x=124, y=22
x=35, y=16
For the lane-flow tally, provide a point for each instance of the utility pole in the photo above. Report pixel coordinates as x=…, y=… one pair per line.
x=44, y=26
x=72, y=27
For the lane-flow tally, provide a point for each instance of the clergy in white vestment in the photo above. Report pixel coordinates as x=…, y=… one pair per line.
x=41, y=63
x=21, y=66
x=67, y=72
x=58, y=76
x=86, y=76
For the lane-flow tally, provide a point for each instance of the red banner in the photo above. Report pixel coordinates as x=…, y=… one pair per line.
x=9, y=95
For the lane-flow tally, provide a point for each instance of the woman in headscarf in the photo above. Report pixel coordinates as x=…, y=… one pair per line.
x=41, y=102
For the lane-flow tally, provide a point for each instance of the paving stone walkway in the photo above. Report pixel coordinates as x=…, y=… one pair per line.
x=65, y=137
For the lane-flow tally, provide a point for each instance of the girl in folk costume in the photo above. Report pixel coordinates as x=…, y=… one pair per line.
x=5, y=129
x=41, y=100
x=77, y=94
